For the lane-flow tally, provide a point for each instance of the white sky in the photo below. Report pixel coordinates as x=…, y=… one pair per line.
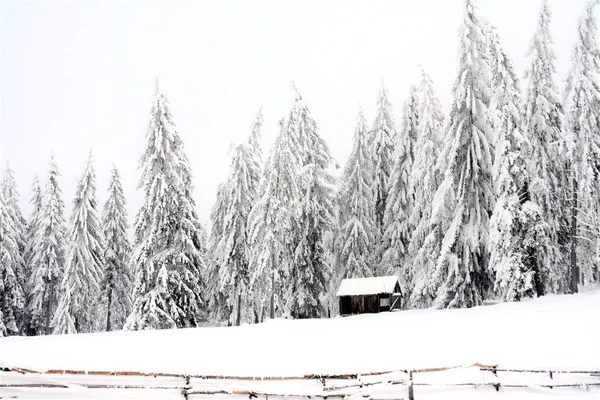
x=77, y=75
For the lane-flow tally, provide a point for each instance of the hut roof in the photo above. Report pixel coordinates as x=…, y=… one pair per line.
x=366, y=286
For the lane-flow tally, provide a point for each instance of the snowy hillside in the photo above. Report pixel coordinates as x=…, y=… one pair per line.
x=557, y=332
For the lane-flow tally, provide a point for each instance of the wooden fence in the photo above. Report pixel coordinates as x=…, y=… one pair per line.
x=401, y=384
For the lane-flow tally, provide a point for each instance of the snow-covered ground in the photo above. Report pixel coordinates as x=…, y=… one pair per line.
x=550, y=333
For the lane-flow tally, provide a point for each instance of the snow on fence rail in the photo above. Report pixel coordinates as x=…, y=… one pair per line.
x=402, y=384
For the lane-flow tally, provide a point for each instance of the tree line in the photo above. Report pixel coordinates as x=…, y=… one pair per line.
x=500, y=199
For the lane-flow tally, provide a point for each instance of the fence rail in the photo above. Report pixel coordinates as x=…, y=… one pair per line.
x=400, y=384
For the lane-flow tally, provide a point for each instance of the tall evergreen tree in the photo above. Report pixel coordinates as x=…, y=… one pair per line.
x=381, y=147
x=255, y=173
x=168, y=256
x=11, y=201
x=272, y=222
x=461, y=274
x=423, y=247
x=400, y=200
x=357, y=214
x=310, y=273
x=32, y=227
x=48, y=261
x=583, y=116
x=116, y=287
x=547, y=163
x=216, y=300
x=77, y=308
x=232, y=249
x=12, y=300
x=517, y=230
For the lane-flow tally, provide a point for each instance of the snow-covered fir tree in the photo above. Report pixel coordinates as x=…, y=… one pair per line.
x=357, y=212
x=168, y=255
x=461, y=275
x=77, y=310
x=254, y=139
x=11, y=201
x=216, y=301
x=547, y=163
x=517, y=231
x=272, y=223
x=255, y=172
x=382, y=143
x=400, y=200
x=423, y=247
x=48, y=256
x=233, y=248
x=31, y=245
x=12, y=300
x=310, y=272
x=117, y=284
x=583, y=116
x=32, y=226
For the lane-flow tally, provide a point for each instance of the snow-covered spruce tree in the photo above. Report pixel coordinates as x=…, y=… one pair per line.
x=583, y=116
x=78, y=308
x=11, y=201
x=255, y=173
x=461, y=275
x=547, y=161
x=32, y=227
x=12, y=300
x=31, y=245
x=232, y=249
x=167, y=259
x=423, y=247
x=382, y=143
x=48, y=257
x=357, y=211
x=517, y=230
x=116, y=286
x=400, y=200
x=310, y=273
x=272, y=223
x=216, y=301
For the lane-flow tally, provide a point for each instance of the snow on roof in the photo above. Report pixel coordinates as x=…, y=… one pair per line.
x=365, y=286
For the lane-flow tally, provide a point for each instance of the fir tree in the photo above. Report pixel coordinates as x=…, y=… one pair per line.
x=310, y=273
x=381, y=148
x=216, y=299
x=547, y=164
x=255, y=172
x=12, y=300
x=78, y=309
x=517, y=231
x=423, y=247
x=48, y=256
x=11, y=201
x=396, y=233
x=583, y=116
x=461, y=274
x=167, y=257
x=271, y=224
x=357, y=214
x=116, y=287
x=32, y=227
x=232, y=249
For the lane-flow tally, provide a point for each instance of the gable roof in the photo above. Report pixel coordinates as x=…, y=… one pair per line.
x=366, y=286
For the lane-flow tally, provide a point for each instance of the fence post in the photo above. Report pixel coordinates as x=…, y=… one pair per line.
x=411, y=393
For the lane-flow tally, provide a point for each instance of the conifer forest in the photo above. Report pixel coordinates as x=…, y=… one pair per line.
x=497, y=200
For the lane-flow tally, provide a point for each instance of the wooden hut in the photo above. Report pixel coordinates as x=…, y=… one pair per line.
x=369, y=295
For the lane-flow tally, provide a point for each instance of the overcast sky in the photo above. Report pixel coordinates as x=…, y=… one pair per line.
x=77, y=75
